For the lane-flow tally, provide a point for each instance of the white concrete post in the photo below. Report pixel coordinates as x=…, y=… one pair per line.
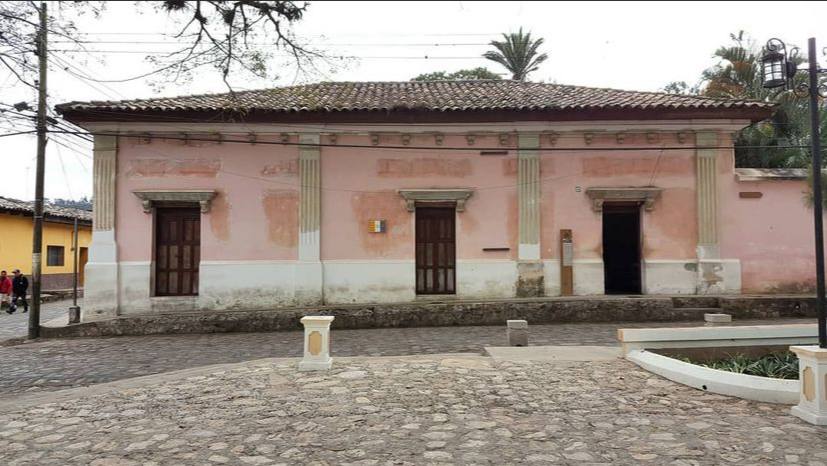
x=517, y=332
x=316, y=343
x=812, y=375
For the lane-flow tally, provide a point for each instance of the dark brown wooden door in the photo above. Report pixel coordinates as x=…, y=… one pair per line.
x=177, y=251
x=435, y=250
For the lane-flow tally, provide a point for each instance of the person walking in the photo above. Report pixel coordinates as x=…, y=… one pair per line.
x=5, y=289
x=20, y=285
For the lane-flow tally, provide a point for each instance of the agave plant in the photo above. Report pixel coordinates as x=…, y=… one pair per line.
x=518, y=53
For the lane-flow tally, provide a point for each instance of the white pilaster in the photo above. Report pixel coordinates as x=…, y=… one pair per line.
x=530, y=280
x=309, y=278
x=101, y=287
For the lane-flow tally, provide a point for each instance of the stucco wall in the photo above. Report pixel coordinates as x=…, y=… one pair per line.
x=16, y=247
x=773, y=235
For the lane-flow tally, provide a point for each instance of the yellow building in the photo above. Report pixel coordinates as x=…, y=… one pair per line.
x=16, y=241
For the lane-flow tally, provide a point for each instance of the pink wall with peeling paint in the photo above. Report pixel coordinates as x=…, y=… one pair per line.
x=669, y=231
x=773, y=236
x=255, y=216
x=361, y=185
x=251, y=181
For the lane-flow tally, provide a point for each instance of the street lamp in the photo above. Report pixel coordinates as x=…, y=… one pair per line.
x=779, y=69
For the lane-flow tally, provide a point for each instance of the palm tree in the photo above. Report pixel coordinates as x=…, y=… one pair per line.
x=517, y=53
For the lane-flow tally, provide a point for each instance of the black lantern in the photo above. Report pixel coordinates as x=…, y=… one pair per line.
x=776, y=67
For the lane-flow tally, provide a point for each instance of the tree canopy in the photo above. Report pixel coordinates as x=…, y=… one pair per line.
x=460, y=75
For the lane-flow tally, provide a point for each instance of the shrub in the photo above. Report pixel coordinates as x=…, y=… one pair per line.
x=776, y=365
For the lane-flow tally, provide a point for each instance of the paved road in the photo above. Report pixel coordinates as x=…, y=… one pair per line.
x=56, y=364
x=17, y=324
x=407, y=411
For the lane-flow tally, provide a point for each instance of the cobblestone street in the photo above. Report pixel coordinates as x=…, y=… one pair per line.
x=58, y=364
x=413, y=410
x=17, y=324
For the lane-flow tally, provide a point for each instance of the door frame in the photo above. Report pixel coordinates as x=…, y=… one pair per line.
x=633, y=206
x=153, y=276
x=447, y=207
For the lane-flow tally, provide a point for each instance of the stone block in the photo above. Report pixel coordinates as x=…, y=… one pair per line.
x=517, y=332
x=717, y=319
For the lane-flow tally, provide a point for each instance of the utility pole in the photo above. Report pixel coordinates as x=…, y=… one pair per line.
x=37, y=240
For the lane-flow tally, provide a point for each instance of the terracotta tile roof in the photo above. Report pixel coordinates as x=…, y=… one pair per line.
x=445, y=96
x=27, y=207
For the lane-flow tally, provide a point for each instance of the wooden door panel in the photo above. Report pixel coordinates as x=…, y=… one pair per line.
x=435, y=250
x=177, y=251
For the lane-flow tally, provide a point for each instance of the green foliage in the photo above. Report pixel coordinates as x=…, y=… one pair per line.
x=518, y=53
x=461, y=75
x=776, y=365
x=737, y=75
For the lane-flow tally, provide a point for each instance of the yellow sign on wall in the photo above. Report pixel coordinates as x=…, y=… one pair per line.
x=376, y=226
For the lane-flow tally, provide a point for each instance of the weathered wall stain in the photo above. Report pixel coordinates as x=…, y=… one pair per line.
x=203, y=168
x=614, y=166
x=281, y=168
x=220, y=217
x=388, y=206
x=281, y=209
x=423, y=167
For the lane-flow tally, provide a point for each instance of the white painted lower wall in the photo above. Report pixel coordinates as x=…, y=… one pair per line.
x=246, y=284
x=670, y=276
x=588, y=277
x=551, y=277
x=486, y=278
x=370, y=281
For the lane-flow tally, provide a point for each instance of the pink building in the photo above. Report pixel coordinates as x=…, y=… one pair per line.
x=391, y=192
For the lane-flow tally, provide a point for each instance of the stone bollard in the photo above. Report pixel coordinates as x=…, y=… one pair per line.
x=74, y=314
x=812, y=375
x=517, y=331
x=316, y=343
x=712, y=320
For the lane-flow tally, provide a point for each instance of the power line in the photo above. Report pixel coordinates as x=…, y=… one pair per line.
x=17, y=133
x=329, y=56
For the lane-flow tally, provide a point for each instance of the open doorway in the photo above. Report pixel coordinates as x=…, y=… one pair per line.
x=621, y=248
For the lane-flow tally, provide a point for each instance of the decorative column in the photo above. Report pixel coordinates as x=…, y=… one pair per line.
x=100, y=293
x=309, y=282
x=714, y=275
x=530, y=281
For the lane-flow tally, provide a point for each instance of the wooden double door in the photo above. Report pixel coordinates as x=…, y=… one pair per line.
x=436, y=271
x=177, y=251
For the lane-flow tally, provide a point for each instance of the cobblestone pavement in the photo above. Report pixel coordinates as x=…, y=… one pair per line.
x=57, y=364
x=408, y=411
x=17, y=324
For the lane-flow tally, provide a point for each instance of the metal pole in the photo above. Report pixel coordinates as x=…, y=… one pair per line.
x=75, y=265
x=818, y=206
x=37, y=240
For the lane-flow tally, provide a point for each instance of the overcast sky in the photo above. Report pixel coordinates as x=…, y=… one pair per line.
x=640, y=46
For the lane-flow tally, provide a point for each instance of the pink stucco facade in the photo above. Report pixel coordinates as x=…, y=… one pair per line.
x=251, y=236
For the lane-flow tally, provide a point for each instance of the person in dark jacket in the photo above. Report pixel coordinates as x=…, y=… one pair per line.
x=20, y=285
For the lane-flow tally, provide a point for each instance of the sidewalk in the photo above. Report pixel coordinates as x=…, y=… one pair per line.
x=17, y=324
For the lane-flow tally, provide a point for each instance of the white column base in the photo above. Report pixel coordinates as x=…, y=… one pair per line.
x=812, y=376
x=100, y=293
x=309, y=282
x=719, y=276
x=316, y=343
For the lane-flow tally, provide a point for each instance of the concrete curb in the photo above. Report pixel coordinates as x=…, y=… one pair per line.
x=749, y=387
